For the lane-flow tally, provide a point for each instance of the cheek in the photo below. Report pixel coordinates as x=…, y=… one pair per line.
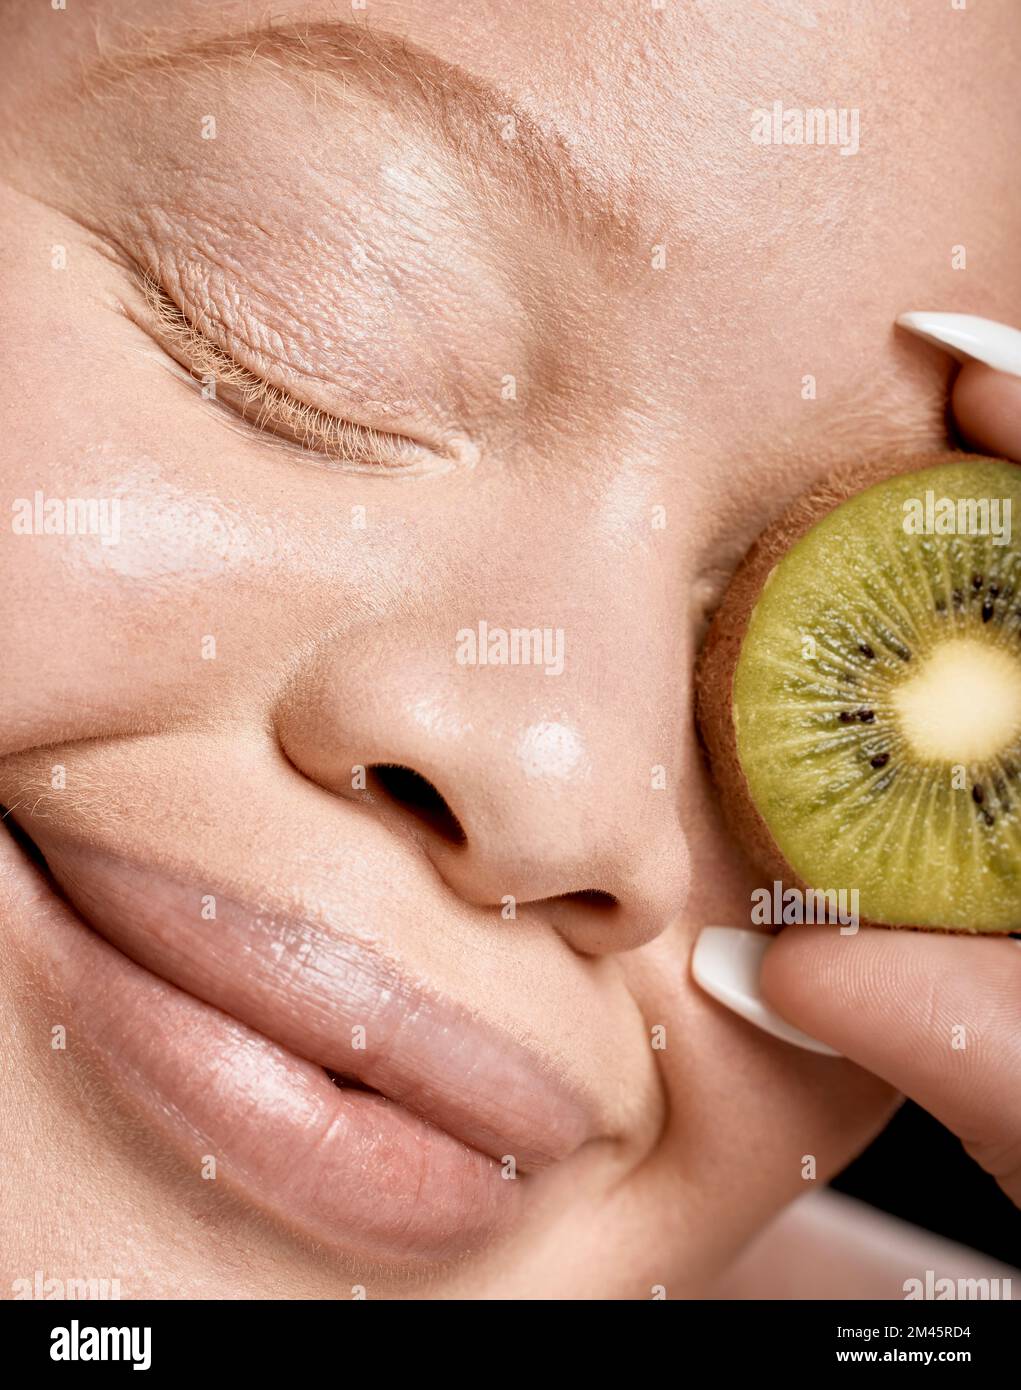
x=108, y=566
x=107, y=551
x=139, y=538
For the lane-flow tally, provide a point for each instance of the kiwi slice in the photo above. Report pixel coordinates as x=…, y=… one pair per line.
x=859, y=695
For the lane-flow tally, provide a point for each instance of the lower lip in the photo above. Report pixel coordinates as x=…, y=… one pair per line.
x=341, y=1165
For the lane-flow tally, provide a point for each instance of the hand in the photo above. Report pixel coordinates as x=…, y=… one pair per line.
x=937, y=1016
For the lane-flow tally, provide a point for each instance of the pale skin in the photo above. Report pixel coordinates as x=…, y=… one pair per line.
x=659, y=323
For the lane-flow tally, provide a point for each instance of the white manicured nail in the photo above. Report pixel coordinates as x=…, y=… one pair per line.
x=968, y=338
x=726, y=963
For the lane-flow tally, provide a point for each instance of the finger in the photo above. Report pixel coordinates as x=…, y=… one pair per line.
x=987, y=407
x=937, y=1016
x=987, y=391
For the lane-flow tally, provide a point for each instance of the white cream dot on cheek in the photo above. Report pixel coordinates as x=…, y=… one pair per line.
x=549, y=749
x=167, y=530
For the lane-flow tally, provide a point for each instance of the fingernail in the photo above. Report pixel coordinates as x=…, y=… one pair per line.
x=726, y=963
x=968, y=338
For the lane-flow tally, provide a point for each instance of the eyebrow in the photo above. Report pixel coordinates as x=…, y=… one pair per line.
x=486, y=129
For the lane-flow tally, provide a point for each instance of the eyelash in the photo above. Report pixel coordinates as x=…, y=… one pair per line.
x=269, y=409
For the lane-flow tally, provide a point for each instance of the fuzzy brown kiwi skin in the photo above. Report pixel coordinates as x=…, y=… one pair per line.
x=721, y=650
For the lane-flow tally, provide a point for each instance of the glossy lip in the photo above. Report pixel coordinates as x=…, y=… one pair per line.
x=223, y=1035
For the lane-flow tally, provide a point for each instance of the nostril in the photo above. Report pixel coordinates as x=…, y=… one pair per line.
x=593, y=897
x=417, y=795
x=591, y=921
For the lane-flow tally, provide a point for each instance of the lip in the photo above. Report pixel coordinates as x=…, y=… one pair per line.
x=224, y=1028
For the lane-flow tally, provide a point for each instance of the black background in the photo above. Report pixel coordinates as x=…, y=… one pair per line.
x=918, y=1171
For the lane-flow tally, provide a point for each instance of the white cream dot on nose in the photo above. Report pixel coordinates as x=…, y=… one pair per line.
x=549, y=749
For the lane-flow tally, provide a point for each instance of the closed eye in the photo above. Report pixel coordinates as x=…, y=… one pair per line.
x=269, y=409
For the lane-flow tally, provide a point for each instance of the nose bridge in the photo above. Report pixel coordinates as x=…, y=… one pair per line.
x=539, y=711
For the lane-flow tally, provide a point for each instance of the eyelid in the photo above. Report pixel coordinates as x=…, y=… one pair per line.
x=272, y=410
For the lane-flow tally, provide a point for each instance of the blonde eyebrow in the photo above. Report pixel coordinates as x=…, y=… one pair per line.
x=493, y=139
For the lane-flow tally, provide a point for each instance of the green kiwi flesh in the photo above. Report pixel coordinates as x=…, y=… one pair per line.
x=876, y=700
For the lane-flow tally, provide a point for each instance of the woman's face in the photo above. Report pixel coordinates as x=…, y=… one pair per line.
x=560, y=337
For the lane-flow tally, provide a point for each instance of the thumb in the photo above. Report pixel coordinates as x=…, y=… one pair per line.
x=987, y=407
x=987, y=391
x=937, y=1016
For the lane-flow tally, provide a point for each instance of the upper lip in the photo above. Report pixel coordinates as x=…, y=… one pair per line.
x=338, y=1000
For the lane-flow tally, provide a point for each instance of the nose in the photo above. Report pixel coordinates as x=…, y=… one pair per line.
x=532, y=789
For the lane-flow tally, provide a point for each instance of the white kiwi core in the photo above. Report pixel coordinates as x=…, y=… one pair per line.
x=964, y=704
